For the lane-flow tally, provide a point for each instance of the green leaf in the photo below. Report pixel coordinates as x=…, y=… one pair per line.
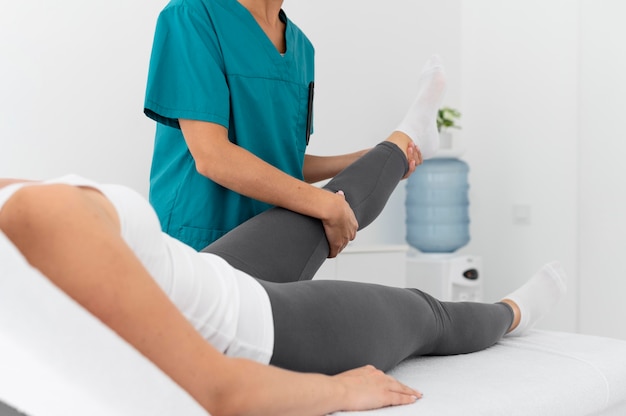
x=446, y=118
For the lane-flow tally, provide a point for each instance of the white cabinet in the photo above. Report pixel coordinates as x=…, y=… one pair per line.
x=382, y=264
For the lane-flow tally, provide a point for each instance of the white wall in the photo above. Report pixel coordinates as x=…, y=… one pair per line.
x=514, y=77
x=520, y=102
x=367, y=62
x=603, y=171
x=538, y=81
x=72, y=79
x=543, y=92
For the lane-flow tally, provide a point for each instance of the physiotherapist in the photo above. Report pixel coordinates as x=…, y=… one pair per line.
x=231, y=87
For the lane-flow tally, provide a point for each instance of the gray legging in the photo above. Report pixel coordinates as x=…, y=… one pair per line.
x=331, y=326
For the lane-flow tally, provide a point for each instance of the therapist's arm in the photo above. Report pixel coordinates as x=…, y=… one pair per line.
x=319, y=168
x=241, y=171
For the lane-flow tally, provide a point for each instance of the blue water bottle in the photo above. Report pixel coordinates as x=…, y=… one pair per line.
x=437, y=206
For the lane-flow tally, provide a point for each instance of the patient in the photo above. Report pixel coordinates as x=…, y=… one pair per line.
x=241, y=326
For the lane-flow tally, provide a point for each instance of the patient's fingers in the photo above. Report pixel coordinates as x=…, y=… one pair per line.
x=369, y=388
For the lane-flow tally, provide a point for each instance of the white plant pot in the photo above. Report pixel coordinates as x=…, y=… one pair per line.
x=446, y=140
x=450, y=144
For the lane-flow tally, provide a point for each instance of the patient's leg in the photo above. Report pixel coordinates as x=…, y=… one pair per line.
x=282, y=246
x=420, y=121
x=329, y=326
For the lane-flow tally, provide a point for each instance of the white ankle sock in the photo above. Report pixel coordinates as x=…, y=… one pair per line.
x=538, y=295
x=420, y=122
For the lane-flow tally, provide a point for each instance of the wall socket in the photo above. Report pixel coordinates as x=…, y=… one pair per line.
x=521, y=214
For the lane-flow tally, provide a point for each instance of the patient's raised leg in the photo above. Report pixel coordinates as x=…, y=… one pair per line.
x=420, y=121
x=283, y=246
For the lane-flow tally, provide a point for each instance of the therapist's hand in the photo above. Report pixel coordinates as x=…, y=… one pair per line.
x=340, y=225
x=414, y=157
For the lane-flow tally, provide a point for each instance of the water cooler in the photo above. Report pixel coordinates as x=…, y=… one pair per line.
x=437, y=220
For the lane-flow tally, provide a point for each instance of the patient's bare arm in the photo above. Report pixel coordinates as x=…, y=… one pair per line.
x=72, y=236
x=8, y=181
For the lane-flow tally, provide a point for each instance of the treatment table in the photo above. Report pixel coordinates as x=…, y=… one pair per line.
x=57, y=359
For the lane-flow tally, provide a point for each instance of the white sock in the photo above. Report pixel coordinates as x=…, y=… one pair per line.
x=420, y=122
x=538, y=295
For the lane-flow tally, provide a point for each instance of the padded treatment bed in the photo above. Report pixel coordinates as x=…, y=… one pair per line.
x=57, y=359
x=542, y=373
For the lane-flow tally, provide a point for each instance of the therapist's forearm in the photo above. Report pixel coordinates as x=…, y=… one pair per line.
x=239, y=170
x=319, y=168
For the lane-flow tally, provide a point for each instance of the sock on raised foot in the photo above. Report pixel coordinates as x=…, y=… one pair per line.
x=420, y=122
x=538, y=296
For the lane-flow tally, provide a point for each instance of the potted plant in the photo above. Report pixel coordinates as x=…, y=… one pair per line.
x=447, y=118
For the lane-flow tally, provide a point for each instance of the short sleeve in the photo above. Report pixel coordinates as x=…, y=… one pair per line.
x=186, y=75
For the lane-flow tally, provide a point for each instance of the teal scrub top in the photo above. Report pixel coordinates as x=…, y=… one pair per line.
x=212, y=62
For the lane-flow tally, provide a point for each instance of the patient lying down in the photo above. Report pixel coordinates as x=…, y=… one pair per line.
x=239, y=327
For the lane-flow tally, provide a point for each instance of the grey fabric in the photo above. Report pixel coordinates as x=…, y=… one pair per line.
x=6, y=410
x=331, y=326
x=282, y=246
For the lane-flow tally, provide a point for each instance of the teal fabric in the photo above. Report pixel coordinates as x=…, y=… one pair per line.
x=211, y=61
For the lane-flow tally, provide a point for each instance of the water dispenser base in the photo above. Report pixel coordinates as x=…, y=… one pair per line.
x=448, y=277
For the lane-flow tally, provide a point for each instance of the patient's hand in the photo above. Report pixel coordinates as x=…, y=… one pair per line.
x=368, y=388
